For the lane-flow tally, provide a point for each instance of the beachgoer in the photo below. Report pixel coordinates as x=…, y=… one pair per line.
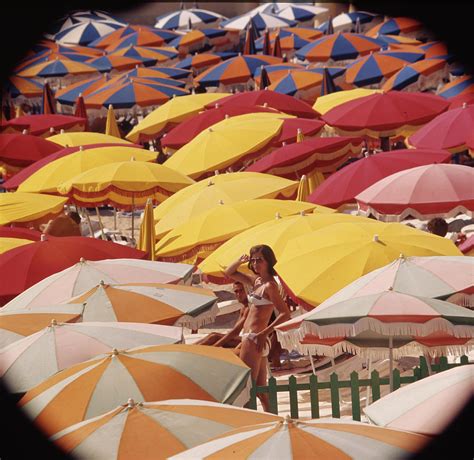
x=231, y=339
x=66, y=224
x=263, y=297
x=437, y=226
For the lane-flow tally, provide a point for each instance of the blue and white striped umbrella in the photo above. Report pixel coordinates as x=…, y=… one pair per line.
x=300, y=12
x=96, y=15
x=345, y=22
x=260, y=21
x=84, y=33
x=181, y=19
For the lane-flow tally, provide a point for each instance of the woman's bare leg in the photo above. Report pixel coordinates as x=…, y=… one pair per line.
x=250, y=356
x=210, y=339
x=262, y=381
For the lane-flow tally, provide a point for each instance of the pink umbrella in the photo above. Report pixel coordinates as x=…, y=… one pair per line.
x=461, y=99
x=291, y=126
x=423, y=192
x=450, y=131
x=41, y=125
x=342, y=187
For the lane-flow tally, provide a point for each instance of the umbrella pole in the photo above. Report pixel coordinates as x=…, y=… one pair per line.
x=390, y=357
x=368, y=393
x=100, y=222
x=133, y=219
x=428, y=363
x=115, y=219
x=312, y=364
x=89, y=222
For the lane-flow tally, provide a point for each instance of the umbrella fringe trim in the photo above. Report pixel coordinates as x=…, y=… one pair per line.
x=404, y=130
x=119, y=191
x=202, y=319
x=189, y=256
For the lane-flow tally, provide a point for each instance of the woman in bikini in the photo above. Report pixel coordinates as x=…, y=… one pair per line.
x=263, y=297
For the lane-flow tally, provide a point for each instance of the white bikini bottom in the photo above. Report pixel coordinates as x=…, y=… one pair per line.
x=253, y=337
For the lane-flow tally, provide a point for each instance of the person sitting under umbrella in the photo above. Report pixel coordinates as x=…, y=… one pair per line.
x=66, y=224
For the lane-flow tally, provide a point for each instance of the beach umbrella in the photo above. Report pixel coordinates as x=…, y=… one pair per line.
x=51, y=55
x=48, y=103
x=76, y=139
x=42, y=125
x=111, y=127
x=467, y=246
x=205, y=194
x=15, y=325
x=276, y=49
x=324, y=154
x=461, y=85
x=69, y=94
x=23, y=149
x=344, y=185
x=458, y=101
x=11, y=243
x=148, y=55
x=85, y=274
x=187, y=130
x=81, y=111
x=410, y=56
x=328, y=86
x=264, y=79
x=57, y=68
x=49, y=177
x=276, y=71
x=268, y=98
x=385, y=114
x=276, y=234
x=449, y=131
x=341, y=46
x=50, y=45
x=124, y=184
x=388, y=40
x=288, y=42
x=239, y=69
x=111, y=62
x=19, y=86
x=145, y=374
x=343, y=252
x=410, y=193
x=295, y=439
x=347, y=22
x=294, y=128
x=259, y=20
x=301, y=12
x=194, y=240
x=435, y=49
x=417, y=72
x=62, y=345
x=170, y=114
x=18, y=232
x=298, y=83
x=249, y=44
x=147, y=231
x=181, y=19
x=326, y=102
x=85, y=32
x=160, y=72
x=425, y=407
x=170, y=424
x=198, y=61
x=396, y=26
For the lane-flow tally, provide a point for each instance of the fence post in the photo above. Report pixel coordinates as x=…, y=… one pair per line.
x=336, y=411
x=293, y=396
x=355, y=397
x=375, y=385
x=396, y=379
x=443, y=364
x=252, y=404
x=417, y=373
x=423, y=367
x=314, y=395
x=272, y=395
x=464, y=360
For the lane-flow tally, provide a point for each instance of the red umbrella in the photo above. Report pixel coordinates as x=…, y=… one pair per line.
x=438, y=190
x=24, y=266
x=81, y=111
x=385, y=114
x=48, y=103
x=450, y=131
x=290, y=129
x=18, y=232
x=323, y=153
x=343, y=186
x=22, y=149
x=265, y=97
x=461, y=99
x=22, y=175
x=189, y=129
x=40, y=125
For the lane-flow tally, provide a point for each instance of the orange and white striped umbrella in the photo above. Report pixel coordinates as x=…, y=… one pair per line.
x=164, y=428
x=292, y=439
x=153, y=373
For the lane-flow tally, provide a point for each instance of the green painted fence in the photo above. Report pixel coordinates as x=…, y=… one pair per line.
x=334, y=384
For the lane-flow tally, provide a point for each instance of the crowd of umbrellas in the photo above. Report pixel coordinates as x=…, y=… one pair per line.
x=319, y=136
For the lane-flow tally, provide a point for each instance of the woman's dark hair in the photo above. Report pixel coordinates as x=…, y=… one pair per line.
x=268, y=255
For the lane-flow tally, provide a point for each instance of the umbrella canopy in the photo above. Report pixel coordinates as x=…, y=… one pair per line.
x=29, y=209
x=344, y=185
x=57, y=68
x=145, y=374
x=324, y=154
x=19, y=86
x=62, y=345
x=297, y=82
x=295, y=439
x=149, y=303
x=22, y=233
x=449, y=131
x=410, y=193
x=140, y=37
x=49, y=177
x=340, y=46
x=198, y=61
x=348, y=22
x=172, y=112
x=86, y=32
x=11, y=243
x=296, y=129
x=425, y=407
x=159, y=72
x=183, y=18
x=276, y=234
x=385, y=114
x=301, y=12
x=458, y=101
x=276, y=70
x=26, y=265
x=268, y=98
x=414, y=54
x=85, y=274
x=288, y=42
x=207, y=193
x=226, y=143
x=108, y=63
x=69, y=94
x=41, y=125
x=461, y=85
x=388, y=40
x=259, y=20
x=23, y=149
x=327, y=102
x=148, y=55
x=126, y=184
x=170, y=424
x=147, y=231
x=194, y=240
x=196, y=39
x=239, y=69
x=343, y=252
x=395, y=26
x=73, y=139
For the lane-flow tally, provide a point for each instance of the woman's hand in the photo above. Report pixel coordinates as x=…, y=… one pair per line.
x=244, y=258
x=261, y=340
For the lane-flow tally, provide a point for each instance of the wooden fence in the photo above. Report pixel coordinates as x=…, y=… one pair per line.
x=334, y=384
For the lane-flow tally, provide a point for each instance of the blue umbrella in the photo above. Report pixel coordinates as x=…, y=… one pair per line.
x=84, y=33
x=328, y=86
x=171, y=72
x=347, y=21
x=261, y=21
x=180, y=19
x=408, y=56
x=69, y=95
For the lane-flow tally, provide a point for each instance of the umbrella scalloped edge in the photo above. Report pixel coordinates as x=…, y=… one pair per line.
x=196, y=322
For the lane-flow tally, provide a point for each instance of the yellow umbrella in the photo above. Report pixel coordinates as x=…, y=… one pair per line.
x=29, y=209
x=124, y=184
x=85, y=138
x=198, y=237
x=225, y=143
x=303, y=189
x=317, y=264
x=111, y=127
x=329, y=101
x=315, y=179
x=47, y=178
x=147, y=231
x=10, y=243
x=208, y=193
x=274, y=233
x=175, y=111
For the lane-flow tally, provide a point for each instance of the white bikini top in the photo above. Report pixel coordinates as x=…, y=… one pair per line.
x=258, y=300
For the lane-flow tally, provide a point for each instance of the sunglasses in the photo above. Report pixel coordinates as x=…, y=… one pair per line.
x=255, y=259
